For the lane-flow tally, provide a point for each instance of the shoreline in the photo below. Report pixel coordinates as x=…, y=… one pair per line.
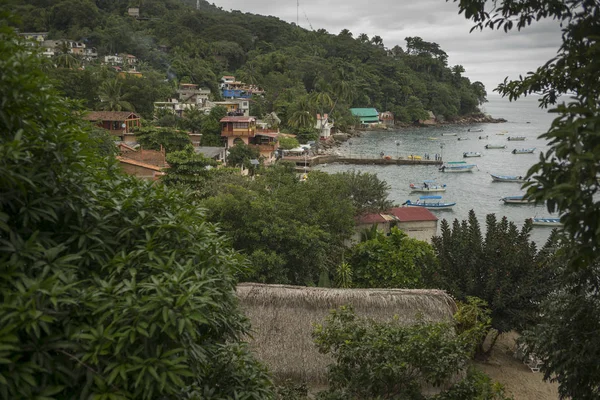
x=328, y=146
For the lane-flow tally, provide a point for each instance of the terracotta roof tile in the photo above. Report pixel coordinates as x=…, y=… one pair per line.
x=110, y=115
x=406, y=214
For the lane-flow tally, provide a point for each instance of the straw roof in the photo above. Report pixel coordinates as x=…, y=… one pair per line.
x=282, y=319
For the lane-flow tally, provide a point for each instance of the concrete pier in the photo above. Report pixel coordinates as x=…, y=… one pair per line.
x=327, y=159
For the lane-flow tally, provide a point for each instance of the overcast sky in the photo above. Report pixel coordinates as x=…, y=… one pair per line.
x=487, y=56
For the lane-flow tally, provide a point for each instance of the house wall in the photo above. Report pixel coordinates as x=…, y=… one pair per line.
x=360, y=228
x=421, y=230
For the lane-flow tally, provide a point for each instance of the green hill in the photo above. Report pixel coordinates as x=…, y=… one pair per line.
x=300, y=70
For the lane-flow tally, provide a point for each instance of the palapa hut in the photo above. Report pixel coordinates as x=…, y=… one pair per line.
x=282, y=319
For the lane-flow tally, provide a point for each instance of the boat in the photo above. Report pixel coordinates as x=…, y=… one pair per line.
x=483, y=137
x=463, y=138
x=508, y=178
x=516, y=200
x=546, y=221
x=430, y=203
x=512, y=138
x=524, y=151
x=471, y=154
x=456, y=167
x=428, y=187
x=495, y=146
x=448, y=134
x=474, y=130
x=414, y=157
x=456, y=162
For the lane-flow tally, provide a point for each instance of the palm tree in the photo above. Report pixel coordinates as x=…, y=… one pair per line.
x=363, y=38
x=111, y=98
x=66, y=59
x=302, y=119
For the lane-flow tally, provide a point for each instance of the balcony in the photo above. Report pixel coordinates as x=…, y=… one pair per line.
x=242, y=132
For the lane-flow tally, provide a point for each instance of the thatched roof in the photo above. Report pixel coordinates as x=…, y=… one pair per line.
x=282, y=319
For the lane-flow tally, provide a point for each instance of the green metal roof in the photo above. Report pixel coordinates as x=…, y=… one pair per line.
x=365, y=112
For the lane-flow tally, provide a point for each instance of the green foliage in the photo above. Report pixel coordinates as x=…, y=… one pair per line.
x=187, y=168
x=169, y=139
x=111, y=288
x=394, y=261
x=473, y=322
x=291, y=230
x=503, y=268
x=390, y=361
x=343, y=275
x=241, y=154
x=367, y=191
x=288, y=143
x=103, y=141
x=112, y=97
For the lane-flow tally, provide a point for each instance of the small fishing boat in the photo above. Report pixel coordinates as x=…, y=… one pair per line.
x=448, y=134
x=495, y=146
x=474, y=130
x=546, y=221
x=428, y=186
x=430, y=203
x=457, y=167
x=456, y=162
x=508, y=178
x=516, y=200
x=463, y=138
x=512, y=138
x=471, y=154
x=523, y=151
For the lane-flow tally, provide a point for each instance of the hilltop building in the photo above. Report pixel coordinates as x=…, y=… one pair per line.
x=324, y=126
x=118, y=123
x=55, y=47
x=232, y=89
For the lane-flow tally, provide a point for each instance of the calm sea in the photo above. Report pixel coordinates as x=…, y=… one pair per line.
x=474, y=190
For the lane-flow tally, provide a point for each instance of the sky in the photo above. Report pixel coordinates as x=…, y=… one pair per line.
x=487, y=56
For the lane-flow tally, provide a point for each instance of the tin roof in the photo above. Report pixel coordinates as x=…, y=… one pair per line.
x=408, y=214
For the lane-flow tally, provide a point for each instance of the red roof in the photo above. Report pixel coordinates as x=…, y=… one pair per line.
x=370, y=219
x=238, y=119
x=407, y=214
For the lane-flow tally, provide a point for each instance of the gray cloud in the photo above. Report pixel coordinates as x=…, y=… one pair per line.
x=488, y=56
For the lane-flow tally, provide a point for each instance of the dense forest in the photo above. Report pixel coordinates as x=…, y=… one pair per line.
x=297, y=68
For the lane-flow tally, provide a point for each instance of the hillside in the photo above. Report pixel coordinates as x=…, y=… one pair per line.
x=172, y=39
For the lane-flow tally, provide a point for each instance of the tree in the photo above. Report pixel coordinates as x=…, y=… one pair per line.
x=386, y=360
x=394, y=261
x=187, y=168
x=566, y=175
x=503, y=268
x=241, y=154
x=287, y=143
x=367, y=192
x=111, y=287
x=157, y=138
x=112, y=98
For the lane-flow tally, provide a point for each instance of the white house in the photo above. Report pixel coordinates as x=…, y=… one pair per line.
x=324, y=126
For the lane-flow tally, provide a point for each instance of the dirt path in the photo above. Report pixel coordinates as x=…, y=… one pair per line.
x=516, y=377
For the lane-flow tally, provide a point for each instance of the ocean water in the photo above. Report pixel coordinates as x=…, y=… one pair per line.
x=470, y=190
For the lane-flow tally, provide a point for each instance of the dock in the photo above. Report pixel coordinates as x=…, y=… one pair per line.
x=308, y=162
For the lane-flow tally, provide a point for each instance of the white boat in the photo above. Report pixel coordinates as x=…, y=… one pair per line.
x=448, y=134
x=471, y=154
x=463, y=138
x=495, y=146
x=430, y=203
x=513, y=138
x=428, y=186
x=523, y=151
x=546, y=221
x=508, y=178
x=516, y=200
x=457, y=167
x=474, y=130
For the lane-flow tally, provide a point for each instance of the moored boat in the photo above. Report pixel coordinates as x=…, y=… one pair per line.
x=546, y=221
x=463, y=138
x=457, y=167
x=508, y=178
x=513, y=138
x=428, y=186
x=523, y=151
x=430, y=203
x=471, y=154
x=516, y=200
x=448, y=134
x=474, y=130
x=495, y=146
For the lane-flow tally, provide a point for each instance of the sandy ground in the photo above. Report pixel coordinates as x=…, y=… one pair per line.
x=516, y=377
